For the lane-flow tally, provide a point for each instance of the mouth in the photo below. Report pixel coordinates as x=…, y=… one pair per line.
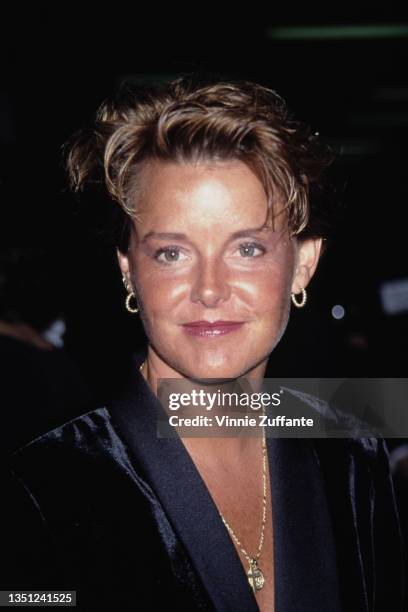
x=211, y=329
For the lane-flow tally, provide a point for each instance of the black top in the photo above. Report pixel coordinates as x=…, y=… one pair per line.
x=103, y=506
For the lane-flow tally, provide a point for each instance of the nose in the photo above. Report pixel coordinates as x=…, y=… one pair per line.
x=210, y=286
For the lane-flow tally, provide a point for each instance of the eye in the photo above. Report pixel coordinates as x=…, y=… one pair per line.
x=249, y=249
x=168, y=255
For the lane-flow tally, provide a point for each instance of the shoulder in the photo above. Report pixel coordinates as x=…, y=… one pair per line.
x=338, y=430
x=79, y=462
x=87, y=433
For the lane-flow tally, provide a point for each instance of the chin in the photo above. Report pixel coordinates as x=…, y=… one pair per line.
x=221, y=372
x=212, y=378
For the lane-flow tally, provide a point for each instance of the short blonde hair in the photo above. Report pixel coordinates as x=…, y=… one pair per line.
x=190, y=119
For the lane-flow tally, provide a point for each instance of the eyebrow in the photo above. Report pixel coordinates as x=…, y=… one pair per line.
x=177, y=236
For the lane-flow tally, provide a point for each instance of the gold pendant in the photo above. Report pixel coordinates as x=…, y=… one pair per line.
x=255, y=577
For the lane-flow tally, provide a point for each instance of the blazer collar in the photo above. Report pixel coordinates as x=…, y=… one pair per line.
x=305, y=557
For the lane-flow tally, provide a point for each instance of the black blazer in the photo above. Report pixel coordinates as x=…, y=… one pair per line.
x=103, y=506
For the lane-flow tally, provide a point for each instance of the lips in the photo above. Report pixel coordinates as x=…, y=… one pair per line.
x=211, y=329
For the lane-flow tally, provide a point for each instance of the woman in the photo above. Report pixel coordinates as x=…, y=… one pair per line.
x=217, y=236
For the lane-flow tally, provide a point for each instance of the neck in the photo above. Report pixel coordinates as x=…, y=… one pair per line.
x=155, y=369
x=228, y=451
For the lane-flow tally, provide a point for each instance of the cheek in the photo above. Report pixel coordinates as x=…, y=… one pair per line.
x=163, y=295
x=273, y=303
x=160, y=300
x=271, y=279
x=272, y=288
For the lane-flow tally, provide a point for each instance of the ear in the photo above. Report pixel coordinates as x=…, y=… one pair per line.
x=308, y=253
x=123, y=261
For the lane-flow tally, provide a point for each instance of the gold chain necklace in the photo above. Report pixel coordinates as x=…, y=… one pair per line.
x=255, y=575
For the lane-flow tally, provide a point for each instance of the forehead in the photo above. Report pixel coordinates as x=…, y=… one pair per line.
x=200, y=194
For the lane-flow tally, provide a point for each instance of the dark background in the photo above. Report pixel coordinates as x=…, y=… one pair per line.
x=58, y=65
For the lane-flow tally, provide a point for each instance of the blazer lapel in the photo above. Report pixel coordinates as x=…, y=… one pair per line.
x=306, y=573
x=171, y=473
x=304, y=550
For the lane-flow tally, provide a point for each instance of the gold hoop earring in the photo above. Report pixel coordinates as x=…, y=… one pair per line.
x=304, y=298
x=128, y=307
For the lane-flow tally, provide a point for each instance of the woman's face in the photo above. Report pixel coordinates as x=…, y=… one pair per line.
x=200, y=254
